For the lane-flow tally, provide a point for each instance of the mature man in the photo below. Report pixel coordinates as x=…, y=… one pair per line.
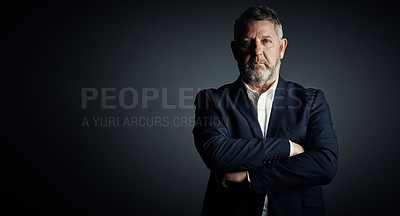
x=269, y=144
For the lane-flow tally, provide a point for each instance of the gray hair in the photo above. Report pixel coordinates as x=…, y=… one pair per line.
x=257, y=13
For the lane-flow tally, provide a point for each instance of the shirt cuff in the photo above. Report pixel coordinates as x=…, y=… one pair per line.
x=291, y=149
x=248, y=176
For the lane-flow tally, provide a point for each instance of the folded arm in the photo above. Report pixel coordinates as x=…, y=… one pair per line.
x=316, y=166
x=224, y=154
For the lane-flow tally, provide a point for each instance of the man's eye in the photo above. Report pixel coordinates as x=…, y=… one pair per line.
x=245, y=43
x=265, y=41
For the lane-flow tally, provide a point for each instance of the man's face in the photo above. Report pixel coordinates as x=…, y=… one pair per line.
x=258, y=52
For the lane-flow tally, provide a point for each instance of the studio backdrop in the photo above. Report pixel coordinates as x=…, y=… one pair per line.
x=98, y=111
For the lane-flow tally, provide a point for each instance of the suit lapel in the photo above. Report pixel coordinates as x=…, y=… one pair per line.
x=240, y=98
x=278, y=109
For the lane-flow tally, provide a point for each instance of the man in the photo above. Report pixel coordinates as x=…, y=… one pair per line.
x=269, y=144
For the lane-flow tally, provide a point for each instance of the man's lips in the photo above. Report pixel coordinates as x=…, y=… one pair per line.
x=258, y=63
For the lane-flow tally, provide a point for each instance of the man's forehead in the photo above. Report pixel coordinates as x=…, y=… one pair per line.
x=264, y=25
x=260, y=27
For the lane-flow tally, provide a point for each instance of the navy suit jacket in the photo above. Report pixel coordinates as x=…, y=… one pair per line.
x=229, y=139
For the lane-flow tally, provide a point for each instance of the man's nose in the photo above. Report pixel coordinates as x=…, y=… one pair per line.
x=258, y=49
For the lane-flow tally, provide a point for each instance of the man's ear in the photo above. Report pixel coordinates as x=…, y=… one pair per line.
x=282, y=47
x=234, y=49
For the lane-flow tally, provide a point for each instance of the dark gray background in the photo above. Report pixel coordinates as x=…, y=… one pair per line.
x=53, y=165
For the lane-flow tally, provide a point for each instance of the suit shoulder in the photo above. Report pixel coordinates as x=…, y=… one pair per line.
x=311, y=97
x=301, y=90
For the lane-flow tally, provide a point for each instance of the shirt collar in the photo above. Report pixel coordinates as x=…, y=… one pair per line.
x=271, y=89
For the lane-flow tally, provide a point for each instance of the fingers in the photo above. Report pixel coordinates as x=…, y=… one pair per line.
x=233, y=178
x=297, y=149
x=225, y=183
x=300, y=149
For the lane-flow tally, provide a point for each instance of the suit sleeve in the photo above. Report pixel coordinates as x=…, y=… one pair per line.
x=223, y=154
x=316, y=166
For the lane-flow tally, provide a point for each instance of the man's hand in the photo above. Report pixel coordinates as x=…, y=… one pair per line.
x=236, y=177
x=296, y=148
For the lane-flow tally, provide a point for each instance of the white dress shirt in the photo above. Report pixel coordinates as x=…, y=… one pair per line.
x=263, y=107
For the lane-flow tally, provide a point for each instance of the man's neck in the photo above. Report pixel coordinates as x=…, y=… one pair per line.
x=262, y=87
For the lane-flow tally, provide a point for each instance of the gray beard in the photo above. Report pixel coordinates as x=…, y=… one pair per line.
x=250, y=75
